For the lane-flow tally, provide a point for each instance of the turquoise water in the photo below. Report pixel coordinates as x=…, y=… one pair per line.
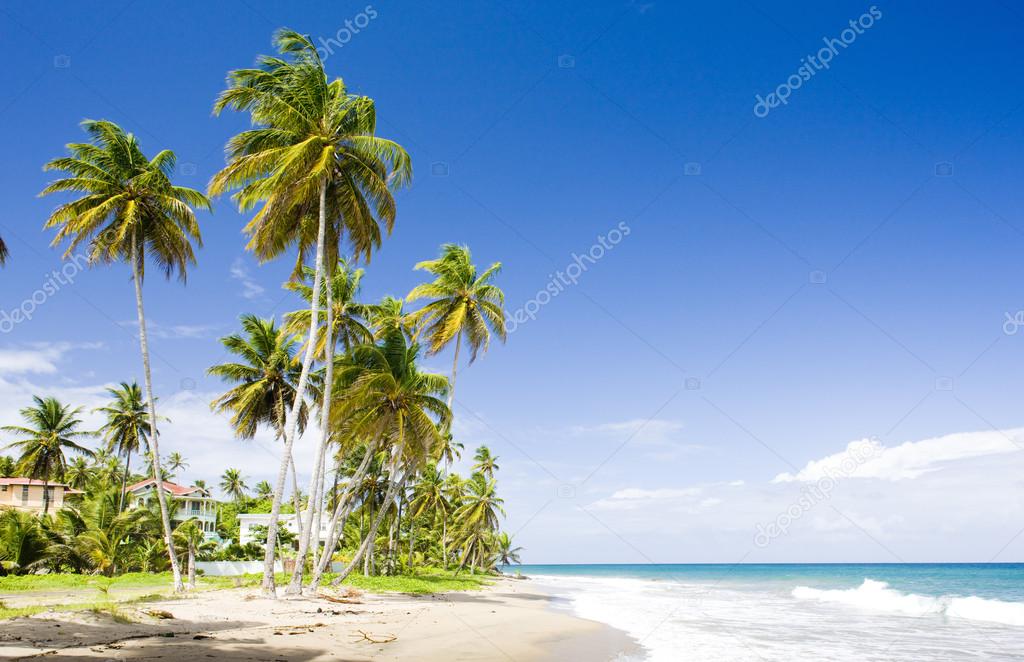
x=784, y=612
x=998, y=581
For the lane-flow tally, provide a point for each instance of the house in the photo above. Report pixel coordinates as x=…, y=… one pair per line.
x=190, y=501
x=27, y=494
x=246, y=522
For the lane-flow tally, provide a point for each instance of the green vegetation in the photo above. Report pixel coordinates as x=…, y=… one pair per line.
x=320, y=180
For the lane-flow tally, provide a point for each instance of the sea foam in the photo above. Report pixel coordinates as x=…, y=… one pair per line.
x=877, y=596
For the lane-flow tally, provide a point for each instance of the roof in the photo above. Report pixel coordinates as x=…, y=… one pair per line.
x=173, y=488
x=17, y=480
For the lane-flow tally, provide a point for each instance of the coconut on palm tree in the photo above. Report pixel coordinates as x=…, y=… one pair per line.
x=318, y=172
x=126, y=429
x=51, y=429
x=465, y=307
x=129, y=209
x=233, y=484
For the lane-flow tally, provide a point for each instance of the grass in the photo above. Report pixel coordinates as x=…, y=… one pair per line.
x=434, y=580
x=423, y=581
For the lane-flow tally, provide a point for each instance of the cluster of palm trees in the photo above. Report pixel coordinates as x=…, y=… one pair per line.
x=322, y=183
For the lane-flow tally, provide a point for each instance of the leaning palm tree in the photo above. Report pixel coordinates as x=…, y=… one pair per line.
x=265, y=377
x=233, y=484
x=51, y=429
x=484, y=462
x=344, y=324
x=313, y=154
x=128, y=209
x=463, y=305
x=126, y=429
x=391, y=400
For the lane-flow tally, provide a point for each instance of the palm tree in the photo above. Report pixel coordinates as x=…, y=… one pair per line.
x=233, y=484
x=201, y=484
x=391, y=400
x=389, y=315
x=175, y=461
x=264, y=490
x=129, y=209
x=313, y=151
x=52, y=428
x=507, y=554
x=447, y=452
x=429, y=498
x=477, y=518
x=485, y=463
x=266, y=375
x=190, y=534
x=23, y=543
x=462, y=305
x=127, y=428
x=7, y=466
x=78, y=473
x=344, y=324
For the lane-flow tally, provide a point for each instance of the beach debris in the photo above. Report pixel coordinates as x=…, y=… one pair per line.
x=203, y=636
x=360, y=636
x=351, y=596
x=158, y=613
x=297, y=629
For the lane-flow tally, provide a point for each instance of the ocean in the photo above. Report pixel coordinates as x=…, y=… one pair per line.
x=913, y=612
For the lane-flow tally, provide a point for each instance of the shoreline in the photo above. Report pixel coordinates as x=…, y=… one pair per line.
x=506, y=620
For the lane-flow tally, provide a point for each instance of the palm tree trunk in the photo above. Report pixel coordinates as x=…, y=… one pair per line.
x=46, y=494
x=291, y=462
x=124, y=480
x=317, y=481
x=191, y=566
x=291, y=421
x=342, y=510
x=455, y=367
x=412, y=535
x=154, y=445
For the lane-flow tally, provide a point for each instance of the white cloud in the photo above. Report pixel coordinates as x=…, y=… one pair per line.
x=37, y=358
x=910, y=459
x=250, y=288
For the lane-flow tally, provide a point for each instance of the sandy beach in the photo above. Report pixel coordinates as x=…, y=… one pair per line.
x=509, y=620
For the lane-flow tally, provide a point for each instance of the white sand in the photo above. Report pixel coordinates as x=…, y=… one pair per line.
x=507, y=621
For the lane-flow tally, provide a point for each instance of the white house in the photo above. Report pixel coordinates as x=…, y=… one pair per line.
x=246, y=522
x=192, y=502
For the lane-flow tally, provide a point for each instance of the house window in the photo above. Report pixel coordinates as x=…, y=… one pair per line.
x=24, y=494
x=3, y=488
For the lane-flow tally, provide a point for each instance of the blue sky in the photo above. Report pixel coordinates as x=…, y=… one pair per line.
x=840, y=269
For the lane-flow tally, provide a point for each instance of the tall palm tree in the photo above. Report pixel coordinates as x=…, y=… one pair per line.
x=429, y=498
x=481, y=506
x=391, y=400
x=129, y=209
x=463, y=305
x=266, y=375
x=312, y=154
x=484, y=462
x=233, y=484
x=447, y=451
x=389, y=315
x=175, y=461
x=51, y=429
x=344, y=324
x=126, y=429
